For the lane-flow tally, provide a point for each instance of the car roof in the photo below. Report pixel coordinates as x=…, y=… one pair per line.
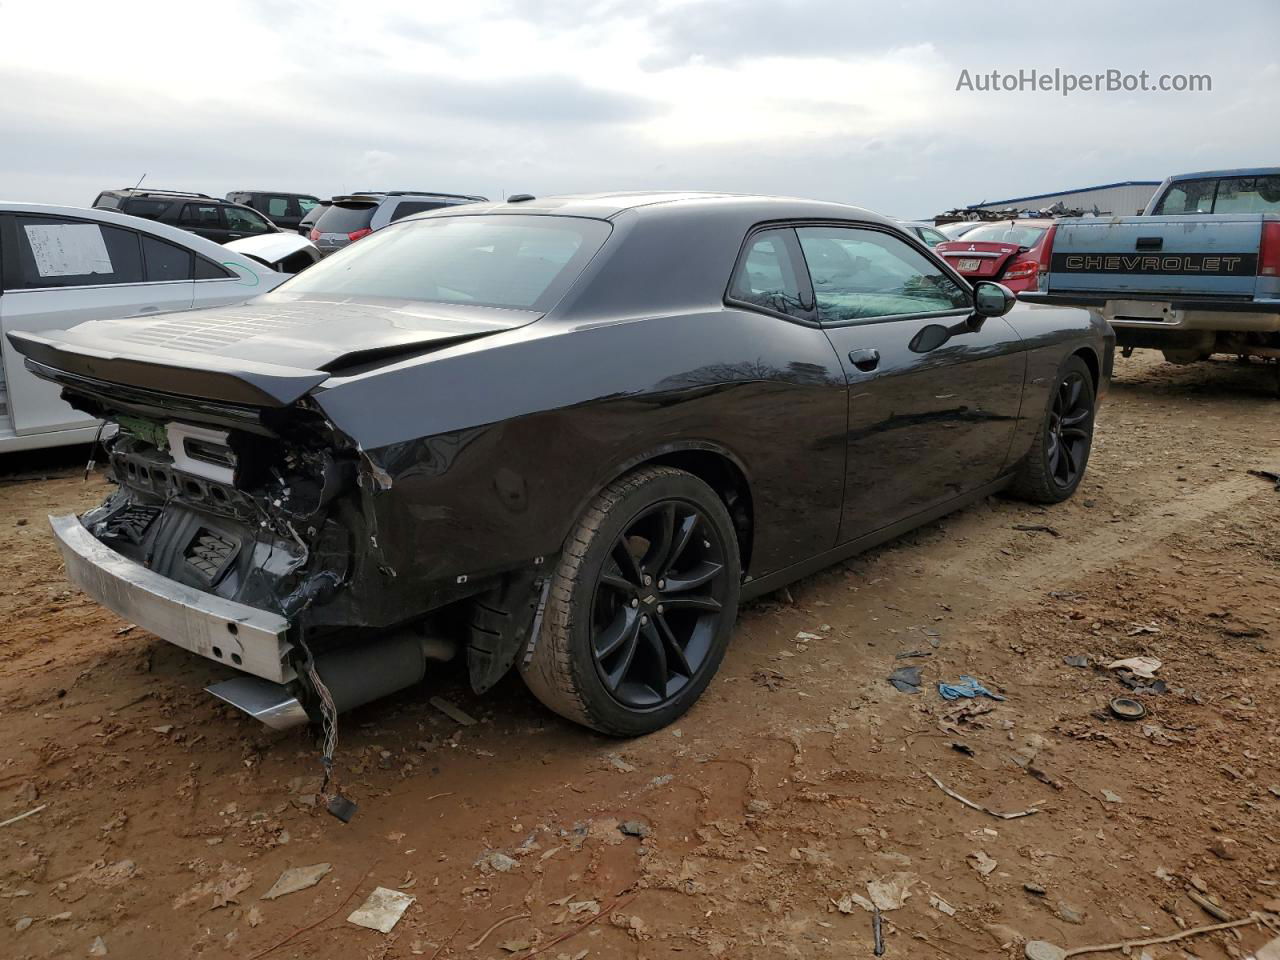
x=184, y=238
x=1018, y=222
x=277, y=193
x=607, y=206
x=1237, y=172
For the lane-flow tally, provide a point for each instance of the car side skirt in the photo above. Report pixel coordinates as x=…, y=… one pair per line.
x=780, y=578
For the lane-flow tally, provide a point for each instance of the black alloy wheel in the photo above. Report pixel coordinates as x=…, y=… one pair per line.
x=1070, y=429
x=1054, y=466
x=641, y=605
x=658, y=603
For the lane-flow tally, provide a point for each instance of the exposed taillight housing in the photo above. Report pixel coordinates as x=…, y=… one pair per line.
x=1021, y=268
x=355, y=235
x=314, y=235
x=1269, y=249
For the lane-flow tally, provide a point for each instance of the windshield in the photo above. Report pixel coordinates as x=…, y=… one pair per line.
x=521, y=262
x=1005, y=233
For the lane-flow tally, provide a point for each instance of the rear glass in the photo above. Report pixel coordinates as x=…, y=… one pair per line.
x=1226, y=195
x=106, y=201
x=346, y=218
x=1004, y=233
x=522, y=262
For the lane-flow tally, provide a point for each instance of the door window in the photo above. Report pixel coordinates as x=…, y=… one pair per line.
x=861, y=273
x=148, y=209
x=766, y=275
x=200, y=216
x=244, y=220
x=69, y=253
x=165, y=261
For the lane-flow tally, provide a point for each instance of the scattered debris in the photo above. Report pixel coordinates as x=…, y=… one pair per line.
x=1043, y=950
x=977, y=806
x=297, y=878
x=981, y=862
x=912, y=654
x=1035, y=888
x=1037, y=528
x=228, y=883
x=382, y=910
x=905, y=679
x=892, y=892
x=959, y=747
x=1208, y=906
x=1076, y=660
x=503, y=946
x=941, y=905
x=804, y=637
x=1142, y=667
x=23, y=816
x=968, y=687
x=452, y=712
x=850, y=900
x=1224, y=848
x=497, y=860
x=1127, y=708
x=98, y=948
x=634, y=828
x=1110, y=797
x=877, y=933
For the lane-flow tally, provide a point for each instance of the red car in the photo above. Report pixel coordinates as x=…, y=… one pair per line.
x=1007, y=251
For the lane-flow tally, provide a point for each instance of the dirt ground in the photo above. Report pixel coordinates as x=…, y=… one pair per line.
x=753, y=827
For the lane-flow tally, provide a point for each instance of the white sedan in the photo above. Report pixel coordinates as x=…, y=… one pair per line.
x=60, y=266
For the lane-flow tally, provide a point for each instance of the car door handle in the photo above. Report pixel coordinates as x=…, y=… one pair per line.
x=865, y=360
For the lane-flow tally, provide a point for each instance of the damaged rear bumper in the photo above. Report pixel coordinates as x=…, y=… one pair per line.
x=246, y=638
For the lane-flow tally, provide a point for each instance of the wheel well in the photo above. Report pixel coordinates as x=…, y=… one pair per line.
x=724, y=477
x=1091, y=361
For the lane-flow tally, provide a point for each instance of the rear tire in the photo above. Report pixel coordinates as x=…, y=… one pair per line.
x=641, y=606
x=1055, y=464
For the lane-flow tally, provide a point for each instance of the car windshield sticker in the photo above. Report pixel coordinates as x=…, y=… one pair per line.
x=68, y=249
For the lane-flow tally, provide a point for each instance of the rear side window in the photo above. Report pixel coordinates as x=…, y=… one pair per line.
x=931, y=236
x=860, y=274
x=346, y=218
x=208, y=270
x=766, y=275
x=200, y=215
x=277, y=206
x=106, y=201
x=1187, y=196
x=164, y=260
x=306, y=205
x=520, y=262
x=68, y=253
x=245, y=221
x=407, y=208
x=147, y=209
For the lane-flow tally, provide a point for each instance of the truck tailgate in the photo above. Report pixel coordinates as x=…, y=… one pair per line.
x=1208, y=255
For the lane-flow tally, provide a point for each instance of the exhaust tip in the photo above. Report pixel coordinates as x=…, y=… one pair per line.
x=263, y=700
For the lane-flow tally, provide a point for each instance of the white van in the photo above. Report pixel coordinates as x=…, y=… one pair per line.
x=60, y=266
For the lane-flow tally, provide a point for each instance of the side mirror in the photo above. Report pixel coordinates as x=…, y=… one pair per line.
x=929, y=338
x=992, y=299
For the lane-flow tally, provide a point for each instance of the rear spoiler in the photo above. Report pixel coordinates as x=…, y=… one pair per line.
x=212, y=378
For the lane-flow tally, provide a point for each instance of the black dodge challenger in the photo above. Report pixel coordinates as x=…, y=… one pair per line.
x=569, y=435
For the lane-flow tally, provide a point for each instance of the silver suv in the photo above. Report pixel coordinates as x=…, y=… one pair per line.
x=349, y=218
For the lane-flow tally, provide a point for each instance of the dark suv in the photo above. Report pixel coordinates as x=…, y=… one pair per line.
x=285, y=210
x=203, y=215
x=349, y=218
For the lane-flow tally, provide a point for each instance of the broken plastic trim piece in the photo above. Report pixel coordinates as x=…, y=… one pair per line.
x=263, y=700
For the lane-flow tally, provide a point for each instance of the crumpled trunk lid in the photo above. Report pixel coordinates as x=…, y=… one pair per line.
x=268, y=352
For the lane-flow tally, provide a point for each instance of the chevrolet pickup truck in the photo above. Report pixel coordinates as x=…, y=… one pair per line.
x=1197, y=273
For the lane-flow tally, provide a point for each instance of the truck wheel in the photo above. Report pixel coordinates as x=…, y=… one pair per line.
x=1057, y=459
x=641, y=605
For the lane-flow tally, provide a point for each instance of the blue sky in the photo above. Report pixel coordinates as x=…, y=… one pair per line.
x=836, y=100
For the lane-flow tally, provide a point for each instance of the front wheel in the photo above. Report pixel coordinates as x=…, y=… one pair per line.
x=1055, y=465
x=641, y=605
